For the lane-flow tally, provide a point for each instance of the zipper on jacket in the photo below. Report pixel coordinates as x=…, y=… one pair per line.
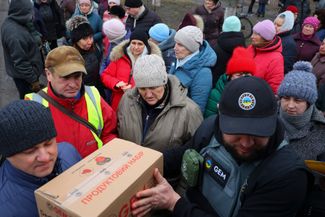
x=145, y=128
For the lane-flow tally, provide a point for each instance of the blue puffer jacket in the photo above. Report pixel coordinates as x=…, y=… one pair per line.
x=96, y=23
x=167, y=49
x=196, y=75
x=17, y=188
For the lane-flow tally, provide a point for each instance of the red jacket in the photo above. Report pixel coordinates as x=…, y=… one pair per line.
x=69, y=130
x=269, y=63
x=118, y=70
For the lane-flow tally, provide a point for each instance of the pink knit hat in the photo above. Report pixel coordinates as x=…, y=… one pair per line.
x=312, y=21
x=265, y=29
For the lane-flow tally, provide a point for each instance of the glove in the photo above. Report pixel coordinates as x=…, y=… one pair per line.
x=35, y=86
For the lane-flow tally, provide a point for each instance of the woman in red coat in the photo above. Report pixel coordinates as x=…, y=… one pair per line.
x=118, y=76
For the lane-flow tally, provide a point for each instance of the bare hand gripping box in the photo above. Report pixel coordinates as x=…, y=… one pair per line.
x=102, y=184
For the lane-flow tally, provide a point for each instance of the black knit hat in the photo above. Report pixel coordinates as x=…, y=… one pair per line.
x=118, y=11
x=24, y=124
x=79, y=28
x=133, y=3
x=141, y=35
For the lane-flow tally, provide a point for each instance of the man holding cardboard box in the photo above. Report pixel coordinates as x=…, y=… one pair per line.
x=31, y=156
x=246, y=168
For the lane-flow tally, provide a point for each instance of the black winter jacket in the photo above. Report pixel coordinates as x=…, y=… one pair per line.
x=276, y=188
x=20, y=49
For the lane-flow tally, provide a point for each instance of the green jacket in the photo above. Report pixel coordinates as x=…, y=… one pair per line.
x=174, y=125
x=215, y=95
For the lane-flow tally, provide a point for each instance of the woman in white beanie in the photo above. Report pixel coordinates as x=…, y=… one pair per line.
x=283, y=25
x=194, y=59
x=150, y=114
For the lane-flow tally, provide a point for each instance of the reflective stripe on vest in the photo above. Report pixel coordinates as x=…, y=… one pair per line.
x=95, y=116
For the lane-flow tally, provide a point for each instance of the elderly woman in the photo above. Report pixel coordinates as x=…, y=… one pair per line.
x=194, y=59
x=307, y=42
x=304, y=124
x=157, y=113
x=283, y=25
x=118, y=76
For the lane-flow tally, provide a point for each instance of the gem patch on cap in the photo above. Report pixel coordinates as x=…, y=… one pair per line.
x=247, y=101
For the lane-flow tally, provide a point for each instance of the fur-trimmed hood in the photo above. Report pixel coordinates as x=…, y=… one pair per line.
x=119, y=50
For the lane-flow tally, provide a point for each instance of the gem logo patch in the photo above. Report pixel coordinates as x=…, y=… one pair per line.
x=247, y=101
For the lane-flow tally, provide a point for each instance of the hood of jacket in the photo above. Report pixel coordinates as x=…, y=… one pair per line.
x=205, y=58
x=274, y=46
x=20, y=11
x=227, y=41
x=119, y=50
x=169, y=42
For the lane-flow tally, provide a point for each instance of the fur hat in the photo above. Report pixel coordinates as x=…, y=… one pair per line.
x=265, y=29
x=79, y=28
x=231, y=24
x=24, y=124
x=150, y=71
x=114, y=28
x=241, y=61
x=133, y=3
x=190, y=37
x=300, y=83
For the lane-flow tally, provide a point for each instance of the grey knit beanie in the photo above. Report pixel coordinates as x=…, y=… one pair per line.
x=300, y=83
x=190, y=37
x=24, y=124
x=150, y=71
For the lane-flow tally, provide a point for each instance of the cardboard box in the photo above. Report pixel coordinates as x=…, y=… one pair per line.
x=102, y=184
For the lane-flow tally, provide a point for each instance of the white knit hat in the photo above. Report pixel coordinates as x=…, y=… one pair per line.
x=114, y=28
x=191, y=37
x=150, y=71
x=117, y=2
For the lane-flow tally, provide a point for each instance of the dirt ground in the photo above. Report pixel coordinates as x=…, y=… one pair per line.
x=172, y=11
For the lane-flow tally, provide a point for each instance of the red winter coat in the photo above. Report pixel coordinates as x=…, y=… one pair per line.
x=71, y=131
x=269, y=63
x=119, y=69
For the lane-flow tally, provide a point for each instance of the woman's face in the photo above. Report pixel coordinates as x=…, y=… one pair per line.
x=136, y=47
x=84, y=8
x=181, y=51
x=86, y=43
x=152, y=94
x=308, y=29
x=239, y=74
x=278, y=23
x=111, y=4
x=257, y=40
x=293, y=106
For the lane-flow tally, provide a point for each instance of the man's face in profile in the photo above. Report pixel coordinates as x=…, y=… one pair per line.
x=245, y=148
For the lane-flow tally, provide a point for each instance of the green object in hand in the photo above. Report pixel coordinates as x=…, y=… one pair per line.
x=191, y=167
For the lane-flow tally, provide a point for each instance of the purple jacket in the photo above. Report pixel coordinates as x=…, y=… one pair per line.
x=306, y=48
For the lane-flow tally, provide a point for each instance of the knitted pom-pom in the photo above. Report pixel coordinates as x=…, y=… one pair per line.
x=303, y=66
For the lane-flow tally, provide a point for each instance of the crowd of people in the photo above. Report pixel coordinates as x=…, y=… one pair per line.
x=248, y=112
